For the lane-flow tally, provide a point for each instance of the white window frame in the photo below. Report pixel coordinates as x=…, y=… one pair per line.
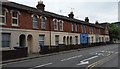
x=76, y=27
x=91, y=30
x=17, y=18
x=83, y=28
x=9, y=41
x=57, y=40
x=3, y=16
x=43, y=22
x=36, y=16
x=61, y=22
x=42, y=40
x=72, y=27
x=56, y=24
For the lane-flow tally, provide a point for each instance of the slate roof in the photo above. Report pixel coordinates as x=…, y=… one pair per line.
x=45, y=13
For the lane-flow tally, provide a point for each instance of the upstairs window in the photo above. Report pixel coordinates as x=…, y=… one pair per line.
x=76, y=27
x=15, y=18
x=43, y=22
x=83, y=29
x=61, y=25
x=55, y=24
x=35, y=22
x=106, y=31
x=3, y=16
x=91, y=30
x=72, y=27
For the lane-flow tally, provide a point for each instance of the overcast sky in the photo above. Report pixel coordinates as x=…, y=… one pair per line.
x=101, y=11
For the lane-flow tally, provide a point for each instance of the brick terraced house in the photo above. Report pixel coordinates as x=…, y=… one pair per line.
x=30, y=27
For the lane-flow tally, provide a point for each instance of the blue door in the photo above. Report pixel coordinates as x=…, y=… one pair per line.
x=83, y=38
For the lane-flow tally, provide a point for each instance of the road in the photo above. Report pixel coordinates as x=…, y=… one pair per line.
x=89, y=58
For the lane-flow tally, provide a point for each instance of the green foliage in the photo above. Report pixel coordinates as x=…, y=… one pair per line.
x=114, y=31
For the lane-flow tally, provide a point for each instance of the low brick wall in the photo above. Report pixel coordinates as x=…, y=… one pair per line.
x=14, y=54
x=62, y=47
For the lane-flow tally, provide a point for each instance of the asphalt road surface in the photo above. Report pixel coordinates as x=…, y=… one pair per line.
x=89, y=58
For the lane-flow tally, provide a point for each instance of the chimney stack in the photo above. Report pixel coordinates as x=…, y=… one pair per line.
x=96, y=23
x=71, y=15
x=86, y=19
x=40, y=6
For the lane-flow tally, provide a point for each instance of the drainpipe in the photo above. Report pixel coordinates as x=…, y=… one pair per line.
x=50, y=32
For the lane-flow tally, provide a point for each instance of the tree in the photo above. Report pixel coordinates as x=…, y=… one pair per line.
x=114, y=31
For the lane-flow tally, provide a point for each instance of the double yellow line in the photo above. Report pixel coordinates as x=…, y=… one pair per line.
x=102, y=61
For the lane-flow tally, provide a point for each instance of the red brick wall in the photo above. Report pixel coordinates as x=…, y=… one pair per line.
x=25, y=22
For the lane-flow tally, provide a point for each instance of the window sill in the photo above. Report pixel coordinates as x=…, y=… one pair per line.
x=55, y=29
x=3, y=24
x=61, y=31
x=42, y=29
x=35, y=28
x=15, y=25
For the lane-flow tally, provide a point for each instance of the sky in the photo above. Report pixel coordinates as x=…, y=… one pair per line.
x=95, y=10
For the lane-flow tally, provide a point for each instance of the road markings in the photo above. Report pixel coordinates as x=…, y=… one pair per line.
x=89, y=58
x=85, y=61
x=41, y=65
x=71, y=58
x=100, y=62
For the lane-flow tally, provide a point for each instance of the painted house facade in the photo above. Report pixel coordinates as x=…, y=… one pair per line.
x=31, y=27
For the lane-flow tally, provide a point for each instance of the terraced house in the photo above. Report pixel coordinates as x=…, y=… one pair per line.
x=31, y=27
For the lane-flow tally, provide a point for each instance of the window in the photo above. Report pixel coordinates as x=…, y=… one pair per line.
x=5, y=40
x=91, y=30
x=55, y=24
x=35, y=22
x=15, y=17
x=83, y=29
x=57, y=40
x=76, y=27
x=76, y=39
x=61, y=25
x=106, y=31
x=3, y=16
x=41, y=40
x=43, y=23
x=72, y=27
